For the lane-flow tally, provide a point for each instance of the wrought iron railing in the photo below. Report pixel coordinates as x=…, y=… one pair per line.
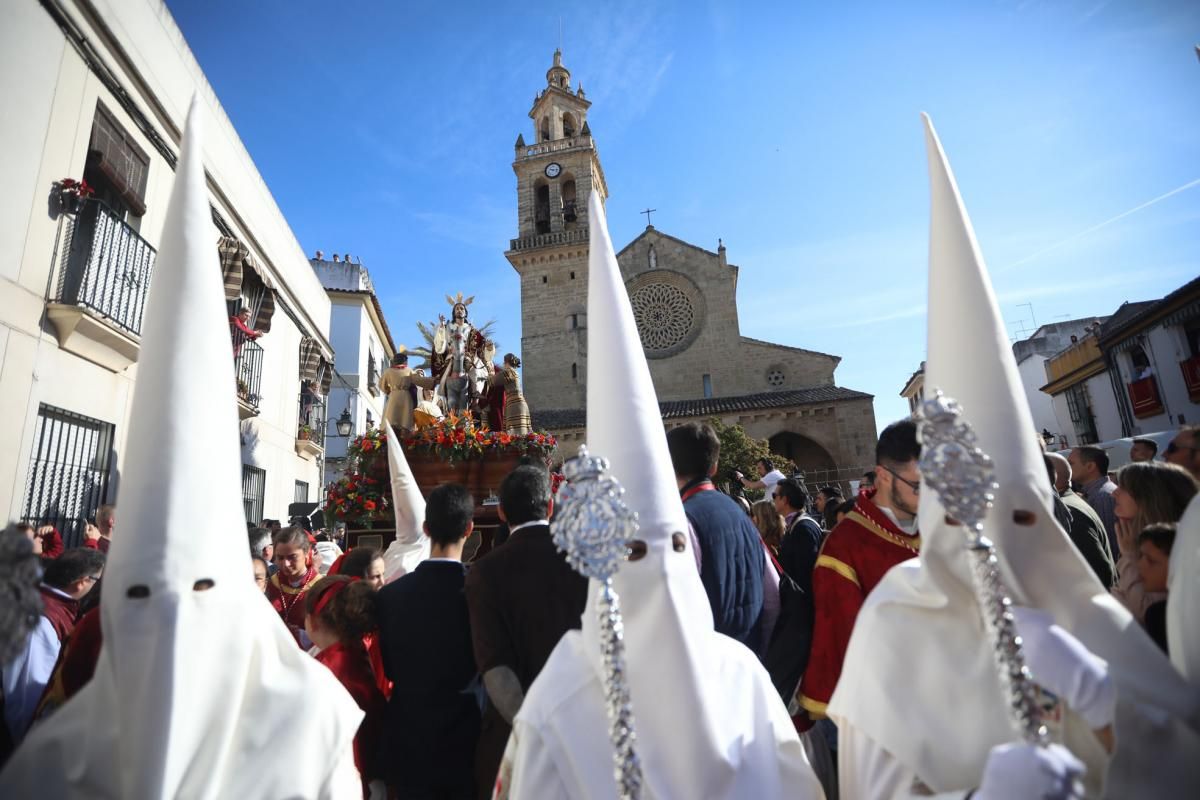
x=104, y=266
x=247, y=365
x=68, y=471
x=372, y=376
x=311, y=422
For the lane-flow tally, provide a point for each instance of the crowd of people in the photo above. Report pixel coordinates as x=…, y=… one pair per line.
x=440, y=660
x=803, y=646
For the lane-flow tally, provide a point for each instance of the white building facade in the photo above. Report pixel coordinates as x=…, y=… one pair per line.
x=364, y=347
x=98, y=90
x=1135, y=374
x=1152, y=353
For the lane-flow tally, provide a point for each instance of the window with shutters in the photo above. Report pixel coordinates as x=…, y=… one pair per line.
x=116, y=167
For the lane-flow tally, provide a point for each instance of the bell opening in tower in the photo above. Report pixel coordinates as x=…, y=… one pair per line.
x=545, y=129
x=568, y=123
x=541, y=205
x=568, y=201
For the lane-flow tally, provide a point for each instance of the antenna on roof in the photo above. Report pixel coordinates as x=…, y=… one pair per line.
x=1031, y=316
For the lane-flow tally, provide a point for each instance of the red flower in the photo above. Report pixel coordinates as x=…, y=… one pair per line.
x=369, y=505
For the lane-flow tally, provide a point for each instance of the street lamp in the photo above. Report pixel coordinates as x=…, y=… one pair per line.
x=344, y=423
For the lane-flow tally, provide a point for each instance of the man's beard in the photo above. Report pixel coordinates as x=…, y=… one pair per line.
x=898, y=504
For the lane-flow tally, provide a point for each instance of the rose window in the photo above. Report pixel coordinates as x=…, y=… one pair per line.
x=664, y=316
x=775, y=377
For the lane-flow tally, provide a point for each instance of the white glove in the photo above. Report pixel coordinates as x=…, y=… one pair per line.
x=1062, y=664
x=377, y=790
x=1021, y=771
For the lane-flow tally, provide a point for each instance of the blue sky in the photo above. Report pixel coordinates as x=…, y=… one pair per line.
x=791, y=130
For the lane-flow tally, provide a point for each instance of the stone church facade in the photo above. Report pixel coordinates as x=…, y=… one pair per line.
x=684, y=299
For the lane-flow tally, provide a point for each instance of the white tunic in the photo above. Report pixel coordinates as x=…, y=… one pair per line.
x=560, y=748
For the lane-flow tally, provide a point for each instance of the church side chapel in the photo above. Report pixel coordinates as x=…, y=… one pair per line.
x=684, y=300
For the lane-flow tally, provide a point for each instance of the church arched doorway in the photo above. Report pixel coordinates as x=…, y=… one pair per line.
x=810, y=457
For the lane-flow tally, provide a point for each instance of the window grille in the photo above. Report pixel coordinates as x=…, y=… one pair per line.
x=254, y=485
x=1080, y=409
x=68, y=472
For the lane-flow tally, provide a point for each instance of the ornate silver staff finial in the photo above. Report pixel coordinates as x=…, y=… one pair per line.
x=962, y=475
x=593, y=527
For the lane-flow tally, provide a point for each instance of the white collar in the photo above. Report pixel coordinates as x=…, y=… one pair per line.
x=58, y=592
x=529, y=524
x=909, y=527
x=441, y=558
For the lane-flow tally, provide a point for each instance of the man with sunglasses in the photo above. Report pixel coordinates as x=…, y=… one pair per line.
x=879, y=533
x=1184, y=450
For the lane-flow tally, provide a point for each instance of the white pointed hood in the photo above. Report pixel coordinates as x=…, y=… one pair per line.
x=930, y=603
x=1184, y=589
x=191, y=685
x=411, y=545
x=695, y=738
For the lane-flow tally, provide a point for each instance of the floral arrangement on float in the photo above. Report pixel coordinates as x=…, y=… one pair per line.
x=458, y=438
x=363, y=495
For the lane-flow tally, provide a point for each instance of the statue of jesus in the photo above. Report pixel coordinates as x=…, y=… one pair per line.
x=457, y=347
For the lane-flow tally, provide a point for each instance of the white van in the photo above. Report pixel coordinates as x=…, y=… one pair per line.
x=1118, y=449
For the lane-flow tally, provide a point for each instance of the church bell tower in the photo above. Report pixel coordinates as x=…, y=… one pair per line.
x=556, y=174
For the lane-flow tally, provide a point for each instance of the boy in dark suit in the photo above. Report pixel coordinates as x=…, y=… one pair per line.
x=432, y=720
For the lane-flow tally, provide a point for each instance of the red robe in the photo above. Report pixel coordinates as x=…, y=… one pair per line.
x=76, y=664
x=52, y=544
x=853, y=559
x=351, y=665
x=288, y=601
x=100, y=544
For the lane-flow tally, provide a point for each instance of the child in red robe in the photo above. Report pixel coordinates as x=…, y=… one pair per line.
x=296, y=575
x=339, y=611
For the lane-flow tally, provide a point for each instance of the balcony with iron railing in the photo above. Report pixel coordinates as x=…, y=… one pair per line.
x=372, y=376
x=104, y=271
x=247, y=366
x=310, y=425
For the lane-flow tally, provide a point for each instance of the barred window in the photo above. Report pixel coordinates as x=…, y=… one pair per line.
x=301, y=495
x=254, y=487
x=68, y=473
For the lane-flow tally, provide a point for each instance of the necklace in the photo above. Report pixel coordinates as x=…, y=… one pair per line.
x=296, y=594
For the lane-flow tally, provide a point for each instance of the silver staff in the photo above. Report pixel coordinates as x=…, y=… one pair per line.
x=953, y=466
x=593, y=527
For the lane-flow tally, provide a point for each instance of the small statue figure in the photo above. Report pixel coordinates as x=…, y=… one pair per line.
x=400, y=385
x=516, y=410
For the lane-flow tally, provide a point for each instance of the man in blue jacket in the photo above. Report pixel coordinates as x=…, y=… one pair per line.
x=729, y=550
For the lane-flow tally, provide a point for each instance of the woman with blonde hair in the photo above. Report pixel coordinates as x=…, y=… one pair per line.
x=769, y=524
x=1147, y=492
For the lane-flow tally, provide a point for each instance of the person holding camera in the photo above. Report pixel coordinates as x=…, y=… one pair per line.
x=768, y=476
